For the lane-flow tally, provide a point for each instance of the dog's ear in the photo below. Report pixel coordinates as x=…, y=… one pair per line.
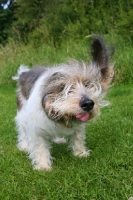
x=101, y=55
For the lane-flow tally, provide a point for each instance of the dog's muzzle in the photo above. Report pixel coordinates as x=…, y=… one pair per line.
x=87, y=104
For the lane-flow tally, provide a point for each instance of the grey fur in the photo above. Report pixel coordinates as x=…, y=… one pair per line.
x=28, y=79
x=19, y=103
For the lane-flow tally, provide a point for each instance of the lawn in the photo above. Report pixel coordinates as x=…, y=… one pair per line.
x=106, y=175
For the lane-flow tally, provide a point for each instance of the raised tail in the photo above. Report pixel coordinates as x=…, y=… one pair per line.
x=21, y=70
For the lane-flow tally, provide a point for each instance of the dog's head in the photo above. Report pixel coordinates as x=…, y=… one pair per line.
x=75, y=91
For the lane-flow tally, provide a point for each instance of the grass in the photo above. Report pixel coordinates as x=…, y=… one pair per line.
x=106, y=175
x=13, y=55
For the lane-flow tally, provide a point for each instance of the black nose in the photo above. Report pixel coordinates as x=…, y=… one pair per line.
x=87, y=104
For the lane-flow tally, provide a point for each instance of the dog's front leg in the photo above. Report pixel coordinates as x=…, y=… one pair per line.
x=39, y=150
x=77, y=144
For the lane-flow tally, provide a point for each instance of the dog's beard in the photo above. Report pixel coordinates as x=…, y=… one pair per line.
x=67, y=119
x=56, y=116
x=66, y=110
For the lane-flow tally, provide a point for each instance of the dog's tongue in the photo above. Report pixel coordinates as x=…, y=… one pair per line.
x=83, y=117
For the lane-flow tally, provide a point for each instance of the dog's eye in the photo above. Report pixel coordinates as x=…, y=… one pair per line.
x=62, y=86
x=87, y=84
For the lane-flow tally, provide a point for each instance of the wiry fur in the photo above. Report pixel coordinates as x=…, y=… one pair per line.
x=51, y=100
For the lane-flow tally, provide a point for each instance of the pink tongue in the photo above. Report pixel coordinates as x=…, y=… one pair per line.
x=83, y=117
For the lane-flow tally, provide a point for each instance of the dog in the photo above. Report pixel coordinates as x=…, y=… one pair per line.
x=54, y=103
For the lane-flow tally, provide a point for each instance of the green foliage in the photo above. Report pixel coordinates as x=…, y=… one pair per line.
x=125, y=24
x=6, y=18
x=61, y=20
x=27, y=14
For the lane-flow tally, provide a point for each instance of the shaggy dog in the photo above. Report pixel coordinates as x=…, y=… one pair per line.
x=56, y=102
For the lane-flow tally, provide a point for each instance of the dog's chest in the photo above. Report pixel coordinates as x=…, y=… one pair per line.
x=57, y=130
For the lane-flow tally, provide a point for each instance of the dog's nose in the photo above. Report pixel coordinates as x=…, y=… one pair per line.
x=87, y=104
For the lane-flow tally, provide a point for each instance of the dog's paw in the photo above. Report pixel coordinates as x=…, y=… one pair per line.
x=82, y=154
x=42, y=164
x=43, y=167
x=22, y=146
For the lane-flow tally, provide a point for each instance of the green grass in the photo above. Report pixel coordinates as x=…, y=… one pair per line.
x=106, y=175
x=13, y=55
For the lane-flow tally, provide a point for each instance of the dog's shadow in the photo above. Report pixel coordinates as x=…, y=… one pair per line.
x=64, y=158
x=60, y=150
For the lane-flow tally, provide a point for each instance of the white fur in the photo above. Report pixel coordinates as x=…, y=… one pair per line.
x=35, y=130
x=21, y=69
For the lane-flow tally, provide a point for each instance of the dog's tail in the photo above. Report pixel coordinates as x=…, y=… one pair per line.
x=21, y=70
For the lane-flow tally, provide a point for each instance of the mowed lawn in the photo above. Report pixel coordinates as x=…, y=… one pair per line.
x=106, y=175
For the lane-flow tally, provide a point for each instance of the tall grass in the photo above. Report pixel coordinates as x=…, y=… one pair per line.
x=14, y=54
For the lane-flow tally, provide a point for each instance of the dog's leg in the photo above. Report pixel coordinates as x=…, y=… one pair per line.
x=21, y=128
x=39, y=149
x=77, y=144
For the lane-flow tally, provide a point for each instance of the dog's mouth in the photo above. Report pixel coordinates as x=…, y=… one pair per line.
x=68, y=120
x=83, y=117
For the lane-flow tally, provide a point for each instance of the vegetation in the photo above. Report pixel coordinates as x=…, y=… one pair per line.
x=6, y=18
x=26, y=20
x=12, y=55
